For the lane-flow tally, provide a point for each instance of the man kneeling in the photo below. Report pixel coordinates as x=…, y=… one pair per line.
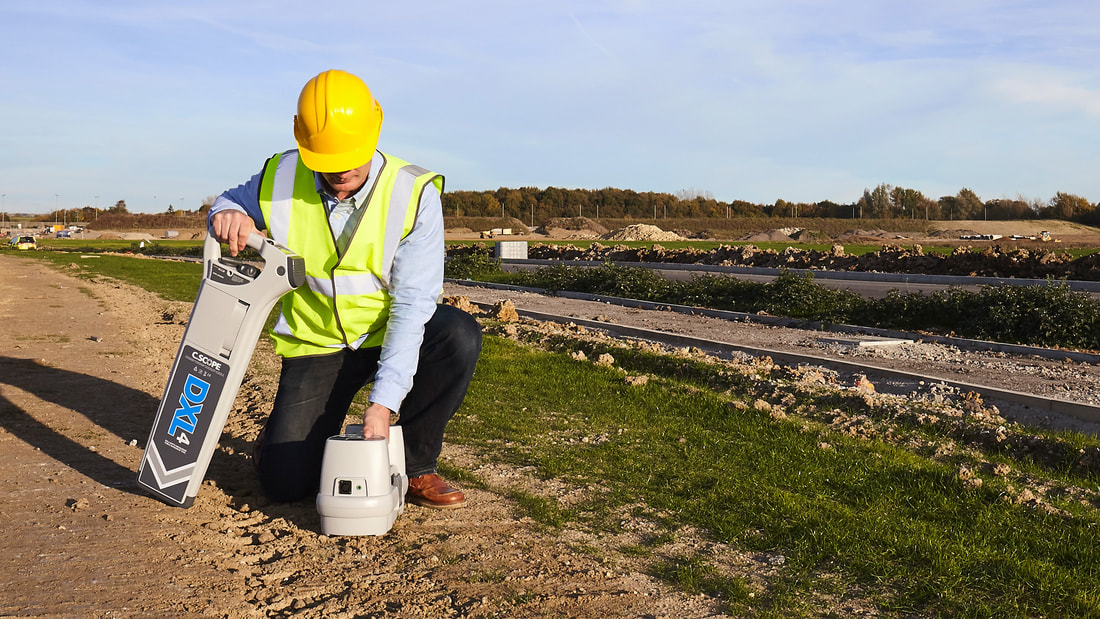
x=370, y=229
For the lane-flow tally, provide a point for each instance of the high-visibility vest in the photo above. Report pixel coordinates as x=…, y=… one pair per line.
x=348, y=296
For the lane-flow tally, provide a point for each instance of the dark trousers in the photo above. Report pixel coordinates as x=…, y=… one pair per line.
x=316, y=391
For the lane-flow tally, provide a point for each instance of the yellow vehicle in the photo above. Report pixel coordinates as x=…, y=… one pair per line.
x=24, y=242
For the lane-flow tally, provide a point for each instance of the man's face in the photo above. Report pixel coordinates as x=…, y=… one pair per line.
x=348, y=182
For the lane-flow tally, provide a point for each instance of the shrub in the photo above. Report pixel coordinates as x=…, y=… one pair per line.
x=1049, y=315
x=607, y=279
x=720, y=292
x=476, y=265
x=797, y=296
x=1038, y=314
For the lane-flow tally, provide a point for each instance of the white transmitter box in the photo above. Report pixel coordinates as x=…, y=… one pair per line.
x=363, y=482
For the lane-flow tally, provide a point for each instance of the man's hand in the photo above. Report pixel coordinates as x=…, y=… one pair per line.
x=376, y=421
x=232, y=227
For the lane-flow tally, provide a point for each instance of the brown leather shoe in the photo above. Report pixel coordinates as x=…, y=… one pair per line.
x=431, y=491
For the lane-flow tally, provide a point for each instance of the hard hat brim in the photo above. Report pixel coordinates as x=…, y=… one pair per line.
x=340, y=162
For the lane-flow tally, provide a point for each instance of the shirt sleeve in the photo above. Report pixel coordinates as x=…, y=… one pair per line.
x=244, y=197
x=416, y=283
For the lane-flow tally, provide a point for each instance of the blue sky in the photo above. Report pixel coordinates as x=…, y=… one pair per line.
x=168, y=103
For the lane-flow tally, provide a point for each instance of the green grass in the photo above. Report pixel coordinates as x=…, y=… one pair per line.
x=900, y=525
x=175, y=281
x=117, y=245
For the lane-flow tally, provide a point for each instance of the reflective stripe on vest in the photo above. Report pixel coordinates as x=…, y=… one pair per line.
x=345, y=297
x=367, y=283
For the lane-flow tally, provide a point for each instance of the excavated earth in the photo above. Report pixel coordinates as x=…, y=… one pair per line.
x=83, y=367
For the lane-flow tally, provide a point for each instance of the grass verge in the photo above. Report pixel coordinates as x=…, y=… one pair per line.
x=173, y=280
x=883, y=517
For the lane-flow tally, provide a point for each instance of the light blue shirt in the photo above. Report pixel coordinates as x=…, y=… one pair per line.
x=415, y=282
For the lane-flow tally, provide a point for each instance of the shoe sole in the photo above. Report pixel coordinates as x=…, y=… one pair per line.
x=423, y=503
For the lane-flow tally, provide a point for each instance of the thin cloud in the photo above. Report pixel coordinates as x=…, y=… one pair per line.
x=1051, y=93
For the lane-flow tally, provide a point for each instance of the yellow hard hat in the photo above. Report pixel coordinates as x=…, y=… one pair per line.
x=337, y=123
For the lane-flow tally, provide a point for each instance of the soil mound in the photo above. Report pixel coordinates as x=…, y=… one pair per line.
x=641, y=232
x=767, y=236
x=809, y=236
x=859, y=235
x=954, y=234
x=572, y=227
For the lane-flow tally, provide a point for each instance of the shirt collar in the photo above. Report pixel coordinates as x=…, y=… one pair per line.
x=364, y=191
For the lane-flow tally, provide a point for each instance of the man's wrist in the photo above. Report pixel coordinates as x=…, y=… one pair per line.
x=378, y=412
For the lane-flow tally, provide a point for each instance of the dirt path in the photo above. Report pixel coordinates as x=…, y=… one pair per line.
x=82, y=368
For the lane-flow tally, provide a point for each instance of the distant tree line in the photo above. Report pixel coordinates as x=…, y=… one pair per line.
x=119, y=216
x=533, y=205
